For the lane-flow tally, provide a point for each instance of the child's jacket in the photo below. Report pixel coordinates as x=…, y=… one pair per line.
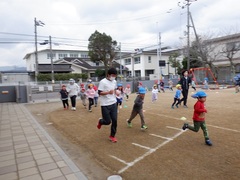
x=199, y=111
x=138, y=104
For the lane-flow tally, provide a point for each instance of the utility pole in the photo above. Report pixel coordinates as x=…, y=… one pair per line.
x=188, y=36
x=51, y=56
x=36, y=23
x=120, y=48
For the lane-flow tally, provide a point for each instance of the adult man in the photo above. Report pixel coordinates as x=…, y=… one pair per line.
x=185, y=81
x=106, y=90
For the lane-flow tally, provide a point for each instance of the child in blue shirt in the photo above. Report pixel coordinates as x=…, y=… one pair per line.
x=177, y=96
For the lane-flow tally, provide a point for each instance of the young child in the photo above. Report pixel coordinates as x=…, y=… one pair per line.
x=83, y=96
x=138, y=109
x=127, y=91
x=170, y=84
x=193, y=85
x=119, y=95
x=96, y=95
x=162, y=86
x=199, y=116
x=90, y=94
x=177, y=96
x=154, y=93
x=64, y=97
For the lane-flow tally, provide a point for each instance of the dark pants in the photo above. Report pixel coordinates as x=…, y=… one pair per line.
x=91, y=102
x=109, y=115
x=65, y=103
x=185, y=96
x=73, y=100
x=135, y=113
x=176, y=100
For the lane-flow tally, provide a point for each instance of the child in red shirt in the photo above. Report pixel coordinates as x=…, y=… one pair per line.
x=199, y=116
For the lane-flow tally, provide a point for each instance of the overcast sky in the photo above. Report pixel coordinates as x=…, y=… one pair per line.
x=134, y=23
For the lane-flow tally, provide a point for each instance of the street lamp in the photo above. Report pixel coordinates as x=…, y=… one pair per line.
x=51, y=55
x=36, y=23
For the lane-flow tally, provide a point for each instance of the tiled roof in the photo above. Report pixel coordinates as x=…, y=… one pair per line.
x=56, y=68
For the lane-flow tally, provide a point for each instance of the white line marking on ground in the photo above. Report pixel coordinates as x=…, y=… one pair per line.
x=150, y=151
x=170, y=127
x=144, y=147
x=227, y=129
x=122, y=161
x=170, y=139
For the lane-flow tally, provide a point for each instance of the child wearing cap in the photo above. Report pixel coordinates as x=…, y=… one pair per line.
x=199, y=116
x=90, y=94
x=83, y=96
x=138, y=109
x=154, y=93
x=119, y=95
x=64, y=97
x=177, y=96
x=127, y=91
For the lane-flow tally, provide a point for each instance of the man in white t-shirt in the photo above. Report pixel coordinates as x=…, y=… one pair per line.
x=106, y=90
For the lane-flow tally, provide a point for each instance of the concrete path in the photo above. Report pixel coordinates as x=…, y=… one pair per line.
x=27, y=152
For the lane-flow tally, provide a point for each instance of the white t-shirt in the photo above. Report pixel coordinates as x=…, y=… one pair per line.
x=107, y=85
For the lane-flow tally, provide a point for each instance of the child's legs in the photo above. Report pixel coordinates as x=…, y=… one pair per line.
x=175, y=100
x=196, y=126
x=63, y=102
x=84, y=101
x=205, y=131
x=178, y=102
x=90, y=100
x=95, y=100
x=133, y=115
x=142, y=117
x=127, y=96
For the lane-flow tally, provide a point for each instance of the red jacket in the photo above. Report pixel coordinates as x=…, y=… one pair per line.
x=199, y=111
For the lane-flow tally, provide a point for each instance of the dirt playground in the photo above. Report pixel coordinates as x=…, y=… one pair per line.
x=163, y=151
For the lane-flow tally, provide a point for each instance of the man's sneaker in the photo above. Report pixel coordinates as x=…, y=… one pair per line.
x=176, y=106
x=144, y=127
x=129, y=124
x=90, y=110
x=208, y=142
x=99, y=124
x=113, y=139
x=185, y=126
x=185, y=106
x=172, y=107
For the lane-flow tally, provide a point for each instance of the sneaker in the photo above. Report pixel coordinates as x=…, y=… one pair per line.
x=172, y=107
x=90, y=110
x=120, y=107
x=176, y=106
x=185, y=126
x=144, y=127
x=74, y=109
x=99, y=124
x=65, y=108
x=129, y=124
x=113, y=139
x=208, y=142
x=185, y=106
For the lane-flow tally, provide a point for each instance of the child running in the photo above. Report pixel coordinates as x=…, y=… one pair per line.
x=127, y=91
x=199, y=116
x=154, y=93
x=96, y=96
x=177, y=96
x=83, y=96
x=90, y=94
x=138, y=109
x=119, y=95
x=64, y=97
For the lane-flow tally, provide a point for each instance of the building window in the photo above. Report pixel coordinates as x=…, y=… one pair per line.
x=49, y=56
x=61, y=55
x=74, y=55
x=137, y=60
x=148, y=72
x=97, y=63
x=149, y=59
x=129, y=73
x=127, y=61
x=84, y=56
x=138, y=73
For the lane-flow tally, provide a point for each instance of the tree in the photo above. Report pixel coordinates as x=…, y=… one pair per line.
x=174, y=62
x=229, y=51
x=102, y=49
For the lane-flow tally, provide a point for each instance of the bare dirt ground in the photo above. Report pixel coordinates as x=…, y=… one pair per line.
x=163, y=151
